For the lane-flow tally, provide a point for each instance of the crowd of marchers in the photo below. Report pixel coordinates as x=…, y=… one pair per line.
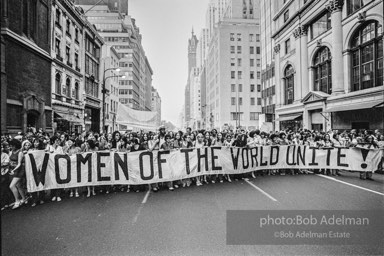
x=14, y=149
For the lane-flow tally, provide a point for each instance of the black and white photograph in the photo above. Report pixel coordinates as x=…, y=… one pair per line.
x=192, y=127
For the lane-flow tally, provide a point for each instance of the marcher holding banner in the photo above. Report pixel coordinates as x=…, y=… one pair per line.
x=162, y=158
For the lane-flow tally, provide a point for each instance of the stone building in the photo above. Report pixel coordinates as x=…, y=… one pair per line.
x=329, y=64
x=25, y=65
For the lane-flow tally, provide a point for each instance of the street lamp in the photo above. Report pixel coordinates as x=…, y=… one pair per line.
x=104, y=91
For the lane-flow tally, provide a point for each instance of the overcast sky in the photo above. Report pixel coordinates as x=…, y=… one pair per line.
x=166, y=26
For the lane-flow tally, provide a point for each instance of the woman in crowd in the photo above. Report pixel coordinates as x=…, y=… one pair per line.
x=91, y=147
x=17, y=172
x=71, y=149
x=37, y=197
x=6, y=195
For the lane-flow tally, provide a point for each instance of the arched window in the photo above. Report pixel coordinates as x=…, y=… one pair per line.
x=77, y=91
x=57, y=83
x=289, y=85
x=68, y=85
x=367, y=56
x=322, y=71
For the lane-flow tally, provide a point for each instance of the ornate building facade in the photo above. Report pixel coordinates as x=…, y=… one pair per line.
x=329, y=64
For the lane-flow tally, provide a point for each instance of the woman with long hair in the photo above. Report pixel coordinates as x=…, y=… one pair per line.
x=72, y=149
x=37, y=197
x=91, y=148
x=17, y=171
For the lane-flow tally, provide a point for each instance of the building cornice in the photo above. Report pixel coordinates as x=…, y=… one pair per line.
x=67, y=67
x=26, y=43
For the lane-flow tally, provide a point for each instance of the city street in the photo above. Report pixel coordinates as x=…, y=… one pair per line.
x=187, y=221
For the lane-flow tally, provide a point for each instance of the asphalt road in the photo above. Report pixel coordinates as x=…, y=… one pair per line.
x=187, y=221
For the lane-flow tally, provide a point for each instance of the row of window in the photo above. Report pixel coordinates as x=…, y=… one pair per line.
x=240, y=101
x=68, y=26
x=239, y=49
x=270, y=109
x=68, y=55
x=66, y=89
x=240, y=116
x=91, y=67
x=240, y=74
x=270, y=91
x=240, y=88
x=268, y=74
x=366, y=62
x=239, y=62
x=91, y=88
x=252, y=37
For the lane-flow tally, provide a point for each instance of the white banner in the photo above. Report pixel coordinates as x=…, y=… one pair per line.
x=50, y=171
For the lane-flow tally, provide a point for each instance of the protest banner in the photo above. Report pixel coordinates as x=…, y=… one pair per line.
x=50, y=171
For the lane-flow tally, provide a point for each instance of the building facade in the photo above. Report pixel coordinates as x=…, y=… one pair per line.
x=26, y=66
x=156, y=105
x=93, y=78
x=111, y=76
x=192, y=61
x=120, y=31
x=268, y=81
x=67, y=51
x=329, y=65
x=232, y=75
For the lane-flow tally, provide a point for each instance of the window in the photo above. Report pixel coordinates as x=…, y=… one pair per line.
x=252, y=75
x=68, y=88
x=58, y=83
x=252, y=50
x=232, y=49
x=236, y=116
x=57, y=47
x=239, y=74
x=77, y=35
x=287, y=46
x=77, y=91
x=354, y=5
x=258, y=74
x=259, y=88
x=257, y=50
x=321, y=25
x=286, y=15
x=233, y=88
x=252, y=87
x=238, y=49
x=238, y=37
x=240, y=101
x=258, y=62
x=68, y=27
x=58, y=17
x=67, y=54
x=232, y=37
x=253, y=116
x=252, y=62
x=259, y=101
x=253, y=101
x=76, y=60
x=288, y=85
x=257, y=37
x=233, y=101
x=232, y=62
x=233, y=74
x=251, y=38
x=322, y=71
x=367, y=56
x=239, y=62
x=240, y=88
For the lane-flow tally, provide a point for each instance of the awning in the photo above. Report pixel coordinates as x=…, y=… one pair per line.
x=355, y=106
x=288, y=118
x=69, y=118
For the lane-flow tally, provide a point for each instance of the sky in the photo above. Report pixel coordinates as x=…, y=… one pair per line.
x=166, y=26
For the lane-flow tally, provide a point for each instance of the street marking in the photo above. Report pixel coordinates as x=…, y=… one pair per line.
x=146, y=197
x=350, y=184
x=262, y=191
x=141, y=207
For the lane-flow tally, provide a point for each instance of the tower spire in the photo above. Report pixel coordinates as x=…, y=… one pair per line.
x=192, y=30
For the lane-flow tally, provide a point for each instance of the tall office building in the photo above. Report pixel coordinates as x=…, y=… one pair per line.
x=192, y=51
x=268, y=81
x=232, y=73
x=121, y=32
x=120, y=6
